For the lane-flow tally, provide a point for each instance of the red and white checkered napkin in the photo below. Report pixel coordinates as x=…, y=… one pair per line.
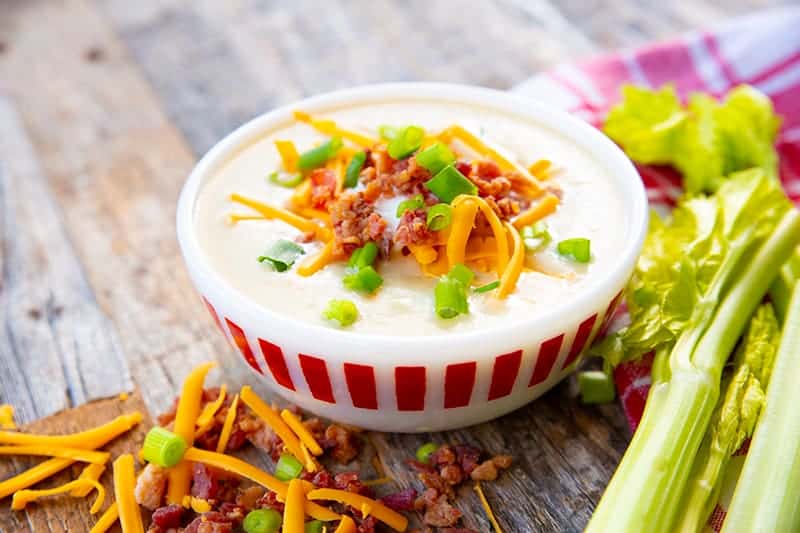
x=762, y=50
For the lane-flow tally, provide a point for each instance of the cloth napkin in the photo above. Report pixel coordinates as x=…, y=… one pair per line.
x=762, y=50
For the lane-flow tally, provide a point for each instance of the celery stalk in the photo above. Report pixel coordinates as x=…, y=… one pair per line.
x=768, y=491
x=781, y=289
x=645, y=492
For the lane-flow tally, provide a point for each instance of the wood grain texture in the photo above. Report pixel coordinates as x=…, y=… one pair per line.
x=62, y=513
x=102, y=116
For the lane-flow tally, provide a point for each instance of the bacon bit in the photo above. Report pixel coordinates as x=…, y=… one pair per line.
x=342, y=442
x=168, y=517
x=488, y=509
x=273, y=420
x=401, y=501
x=323, y=187
x=150, y=486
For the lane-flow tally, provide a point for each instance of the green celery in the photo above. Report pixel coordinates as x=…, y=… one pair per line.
x=768, y=488
x=781, y=289
x=700, y=278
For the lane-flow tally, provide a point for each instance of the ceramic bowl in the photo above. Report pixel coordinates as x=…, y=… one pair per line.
x=425, y=383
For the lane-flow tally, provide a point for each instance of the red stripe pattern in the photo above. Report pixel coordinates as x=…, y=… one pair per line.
x=581, y=340
x=548, y=353
x=214, y=314
x=361, y=384
x=240, y=340
x=410, y=387
x=316, y=372
x=459, y=380
x=273, y=355
x=504, y=374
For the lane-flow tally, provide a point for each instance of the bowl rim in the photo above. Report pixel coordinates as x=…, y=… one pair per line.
x=562, y=122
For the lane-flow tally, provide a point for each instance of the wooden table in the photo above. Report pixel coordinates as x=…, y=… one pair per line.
x=104, y=108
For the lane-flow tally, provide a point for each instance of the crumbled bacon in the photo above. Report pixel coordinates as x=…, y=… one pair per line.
x=355, y=222
x=248, y=498
x=270, y=501
x=323, y=187
x=400, y=501
x=150, y=486
x=367, y=525
x=350, y=482
x=341, y=442
x=438, y=511
x=413, y=228
x=452, y=474
x=168, y=516
x=213, y=522
x=437, y=482
x=468, y=457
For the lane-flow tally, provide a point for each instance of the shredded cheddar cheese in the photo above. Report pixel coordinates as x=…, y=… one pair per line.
x=24, y=497
x=488, y=509
x=425, y=254
x=289, y=155
x=123, y=396
x=227, y=426
x=301, y=431
x=294, y=514
x=241, y=468
x=106, y=520
x=271, y=212
x=329, y=127
x=508, y=279
x=92, y=472
x=273, y=420
x=198, y=505
x=465, y=210
x=186, y=414
x=7, y=417
x=124, y=483
x=87, y=440
x=84, y=456
x=206, y=418
x=317, y=262
x=389, y=517
x=540, y=168
x=346, y=525
x=234, y=218
x=308, y=460
x=311, y=212
x=541, y=209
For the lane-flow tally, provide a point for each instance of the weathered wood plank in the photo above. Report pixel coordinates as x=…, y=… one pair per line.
x=63, y=513
x=58, y=348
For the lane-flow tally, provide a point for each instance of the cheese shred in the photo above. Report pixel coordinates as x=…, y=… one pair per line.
x=487, y=507
x=509, y=277
x=92, y=472
x=289, y=155
x=84, y=456
x=273, y=420
x=329, y=127
x=389, y=517
x=541, y=209
x=346, y=525
x=301, y=431
x=124, y=484
x=186, y=414
x=24, y=497
x=87, y=440
x=317, y=262
x=294, y=514
x=227, y=426
x=106, y=520
x=272, y=212
x=206, y=419
x=7, y=417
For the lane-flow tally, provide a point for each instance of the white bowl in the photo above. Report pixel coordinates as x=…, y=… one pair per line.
x=411, y=384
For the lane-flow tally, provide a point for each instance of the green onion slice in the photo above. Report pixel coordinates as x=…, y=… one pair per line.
x=415, y=202
x=362, y=257
x=262, y=521
x=283, y=179
x=288, y=467
x=365, y=280
x=596, y=387
x=462, y=274
x=435, y=157
x=579, y=249
x=344, y=312
x=163, y=447
x=282, y=254
x=316, y=157
x=449, y=183
x=354, y=169
x=488, y=287
x=387, y=132
x=407, y=141
x=424, y=452
x=315, y=526
x=450, y=298
x=536, y=236
x=439, y=217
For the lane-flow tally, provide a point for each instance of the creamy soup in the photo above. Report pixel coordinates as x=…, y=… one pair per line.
x=590, y=208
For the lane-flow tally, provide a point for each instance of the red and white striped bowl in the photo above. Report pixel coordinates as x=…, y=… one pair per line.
x=408, y=383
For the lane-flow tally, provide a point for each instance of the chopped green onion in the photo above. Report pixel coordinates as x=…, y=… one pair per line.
x=364, y=256
x=424, y=452
x=406, y=142
x=315, y=526
x=388, y=132
x=450, y=298
x=536, y=236
x=288, y=467
x=262, y=521
x=577, y=248
x=286, y=180
x=365, y=280
x=435, y=157
x=439, y=217
x=163, y=447
x=282, y=254
x=462, y=274
x=596, y=387
x=316, y=157
x=344, y=312
x=449, y=183
x=354, y=169
x=415, y=202
x=488, y=287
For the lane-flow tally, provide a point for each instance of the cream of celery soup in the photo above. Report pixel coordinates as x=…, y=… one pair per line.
x=410, y=217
